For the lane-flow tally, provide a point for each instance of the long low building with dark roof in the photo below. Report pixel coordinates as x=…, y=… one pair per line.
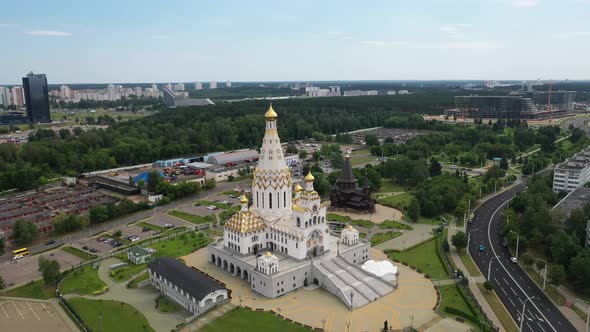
x=189, y=287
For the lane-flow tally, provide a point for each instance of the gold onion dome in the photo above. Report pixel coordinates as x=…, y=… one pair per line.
x=243, y=199
x=347, y=156
x=268, y=254
x=298, y=188
x=349, y=227
x=270, y=114
x=309, y=177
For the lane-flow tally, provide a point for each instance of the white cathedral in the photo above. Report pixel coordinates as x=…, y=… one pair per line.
x=282, y=241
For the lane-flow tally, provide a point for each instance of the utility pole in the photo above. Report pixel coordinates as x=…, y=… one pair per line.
x=490, y=267
x=522, y=315
x=517, y=241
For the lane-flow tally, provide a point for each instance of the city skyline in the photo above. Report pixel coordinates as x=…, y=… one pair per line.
x=307, y=41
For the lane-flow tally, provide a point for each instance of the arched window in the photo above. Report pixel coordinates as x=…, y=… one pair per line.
x=270, y=200
x=284, y=199
x=298, y=222
x=219, y=298
x=257, y=201
x=209, y=301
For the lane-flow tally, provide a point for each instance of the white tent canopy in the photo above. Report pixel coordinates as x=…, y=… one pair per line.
x=383, y=269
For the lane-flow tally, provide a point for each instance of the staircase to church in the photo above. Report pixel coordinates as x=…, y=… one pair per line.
x=343, y=278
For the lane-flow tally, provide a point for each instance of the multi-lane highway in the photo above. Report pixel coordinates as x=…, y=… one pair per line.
x=511, y=283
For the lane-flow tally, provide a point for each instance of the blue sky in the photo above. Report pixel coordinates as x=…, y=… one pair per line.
x=147, y=41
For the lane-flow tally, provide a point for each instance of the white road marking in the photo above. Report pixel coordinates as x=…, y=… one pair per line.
x=504, y=291
x=541, y=326
x=20, y=313
x=512, y=289
x=1, y=306
x=495, y=254
x=33, y=311
x=47, y=310
x=510, y=299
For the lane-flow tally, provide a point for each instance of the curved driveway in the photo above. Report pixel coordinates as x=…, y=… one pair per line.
x=511, y=283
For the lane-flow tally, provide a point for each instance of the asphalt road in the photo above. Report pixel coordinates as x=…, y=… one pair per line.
x=512, y=285
x=94, y=229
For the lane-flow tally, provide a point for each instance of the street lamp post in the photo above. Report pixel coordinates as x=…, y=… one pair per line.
x=490, y=266
x=522, y=314
x=411, y=322
x=544, y=274
x=517, y=242
x=587, y=312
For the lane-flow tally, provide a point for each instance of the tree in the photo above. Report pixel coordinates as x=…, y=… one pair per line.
x=117, y=233
x=50, y=271
x=435, y=167
x=488, y=285
x=556, y=274
x=302, y=154
x=459, y=240
x=2, y=244
x=291, y=149
x=527, y=260
x=1, y=283
x=153, y=180
x=579, y=270
x=371, y=140
x=563, y=248
x=98, y=214
x=414, y=210
x=24, y=231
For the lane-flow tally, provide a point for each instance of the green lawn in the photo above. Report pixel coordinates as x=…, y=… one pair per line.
x=124, y=273
x=83, y=281
x=77, y=252
x=180, y=245
x=230, y=192
x=382, y=237
x=388, y=186
x=400, y=202
x=216, y=204
x=362, y=223
x=451, y=297
x=499, y=309
x=337, y=217
x=428, y=221
x=106, y=315
x=144, y=276
x=150, y=226
x=34, y=290
x=166, y=305
x=244, y=320
x=192, y=217
x=469, y=264
x=361, y=160
x=225, y=215
x=394, y=224
x=423, y=257
x=362, y=235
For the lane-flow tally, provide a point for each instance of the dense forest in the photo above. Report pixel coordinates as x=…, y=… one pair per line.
x=177, y=132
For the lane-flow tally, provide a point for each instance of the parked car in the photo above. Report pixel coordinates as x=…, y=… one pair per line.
x=107, y=240
x=49, y=242
x=85, y=247
x=513, y=260
x=168, y=225
x=211, y=207
x=146, y=229
x=157, y=232
x=100, y=239
x=92, y=250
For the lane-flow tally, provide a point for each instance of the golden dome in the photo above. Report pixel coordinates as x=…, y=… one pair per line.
x=349, y=227
x=347, y=156
x=244, y=199
x=270, y=114
x=298, y=188
x=268, y=254
x=309, y=177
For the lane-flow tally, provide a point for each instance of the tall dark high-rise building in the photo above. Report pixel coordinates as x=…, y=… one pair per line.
x=36, y=98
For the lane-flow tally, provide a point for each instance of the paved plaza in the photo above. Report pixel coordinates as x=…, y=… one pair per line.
x=416, y=296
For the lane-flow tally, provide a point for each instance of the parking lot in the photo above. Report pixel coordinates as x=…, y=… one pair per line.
x=26, y=269
x=25, y=316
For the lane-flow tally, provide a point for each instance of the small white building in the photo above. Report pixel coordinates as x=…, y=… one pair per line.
x=190, y=288
x=349, y=236
x=268, y=264
x=573, y=172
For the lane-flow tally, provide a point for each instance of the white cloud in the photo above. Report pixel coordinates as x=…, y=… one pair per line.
x=525, y=3
x=50, y=33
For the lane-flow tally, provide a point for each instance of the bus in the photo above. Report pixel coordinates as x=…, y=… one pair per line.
x=20, y=253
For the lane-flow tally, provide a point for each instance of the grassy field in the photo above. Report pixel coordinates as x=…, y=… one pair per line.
x=388, y=186
x=361, y=160
x=34, y=290
x=469, y=264
x=382, y=237
x=77, y=252
x=150, y=226
x=451, y=297
x=224, y=215
x=362, y=223
x=165, y=305
x=400, y=202
x=133, y=283
x=394, y=224
x=337, y=217
x=243, y=320
x=192, y=217
x=124, y=273
x=104, y=316
x=83, y=281
x=423, y=257
x=180, y=246
x=427, y=221
x=503, y=315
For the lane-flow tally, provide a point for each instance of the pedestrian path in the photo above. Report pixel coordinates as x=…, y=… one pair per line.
x=207, y=318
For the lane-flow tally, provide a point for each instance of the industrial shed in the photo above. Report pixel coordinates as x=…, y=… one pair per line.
x=233, y=157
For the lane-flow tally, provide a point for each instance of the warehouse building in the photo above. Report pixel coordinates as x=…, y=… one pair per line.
x=233, y=157
x=190, y=288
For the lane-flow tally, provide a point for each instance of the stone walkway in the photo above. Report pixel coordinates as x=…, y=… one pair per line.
x=142, y=299
x=381, y=214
